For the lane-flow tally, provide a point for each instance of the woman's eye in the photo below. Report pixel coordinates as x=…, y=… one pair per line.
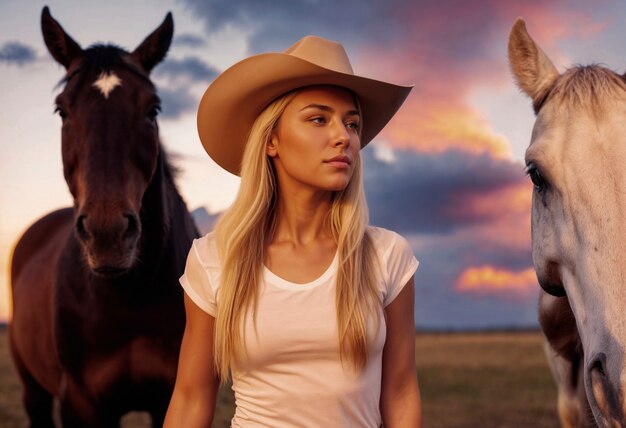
x=154, y=112
x=352, y=125
x=318, y=120
x=62, y=113
x=535, y=177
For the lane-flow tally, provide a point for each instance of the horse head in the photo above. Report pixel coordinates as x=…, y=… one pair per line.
x=110, y=140
x=576, y=160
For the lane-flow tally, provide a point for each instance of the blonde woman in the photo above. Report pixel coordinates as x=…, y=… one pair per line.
x=294, y=295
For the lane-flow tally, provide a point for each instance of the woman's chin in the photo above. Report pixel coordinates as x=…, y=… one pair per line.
x=339, y=186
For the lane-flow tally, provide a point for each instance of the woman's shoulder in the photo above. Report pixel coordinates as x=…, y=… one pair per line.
x=389, y=244
x=206, y=249
x=382, y=238
x=396, y=259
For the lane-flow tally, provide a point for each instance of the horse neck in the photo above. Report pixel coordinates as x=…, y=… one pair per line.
x=163, y=214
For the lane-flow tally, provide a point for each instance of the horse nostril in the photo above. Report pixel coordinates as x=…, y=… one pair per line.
x=606, y=395
x=132, y=229
x=597, y=365
x=81, y=231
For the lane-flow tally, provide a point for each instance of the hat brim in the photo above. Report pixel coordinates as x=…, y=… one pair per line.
x=233, y=101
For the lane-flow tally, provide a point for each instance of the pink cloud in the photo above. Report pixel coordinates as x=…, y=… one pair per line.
x=447, y=49
x=491, y=280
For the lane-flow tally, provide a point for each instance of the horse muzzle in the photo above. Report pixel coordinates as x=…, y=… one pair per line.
x=110, y=244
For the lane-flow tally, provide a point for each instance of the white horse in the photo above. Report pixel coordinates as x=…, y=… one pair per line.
x=577, y=163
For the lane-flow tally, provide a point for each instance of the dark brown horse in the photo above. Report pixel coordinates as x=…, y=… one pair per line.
x=98, y=313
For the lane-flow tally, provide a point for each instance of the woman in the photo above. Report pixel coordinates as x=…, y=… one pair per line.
x=308, y=307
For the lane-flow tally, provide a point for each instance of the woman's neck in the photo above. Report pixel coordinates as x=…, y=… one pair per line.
x=301, y=216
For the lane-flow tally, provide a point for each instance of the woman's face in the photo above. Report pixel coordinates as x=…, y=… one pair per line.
x=316, y=141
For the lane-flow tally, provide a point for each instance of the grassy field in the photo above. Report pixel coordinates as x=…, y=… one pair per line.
x=485, y=380
x=467, y=380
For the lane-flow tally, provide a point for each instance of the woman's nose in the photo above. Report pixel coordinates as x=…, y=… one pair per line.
x=341, y=134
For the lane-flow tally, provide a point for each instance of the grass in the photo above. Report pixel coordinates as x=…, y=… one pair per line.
x=487, y=380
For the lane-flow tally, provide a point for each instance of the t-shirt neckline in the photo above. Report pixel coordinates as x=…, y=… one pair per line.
x=271, y=278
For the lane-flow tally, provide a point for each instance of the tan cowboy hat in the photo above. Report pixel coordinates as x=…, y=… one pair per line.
x=236, y=97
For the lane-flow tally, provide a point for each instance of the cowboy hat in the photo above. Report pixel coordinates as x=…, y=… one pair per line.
x=233, y=101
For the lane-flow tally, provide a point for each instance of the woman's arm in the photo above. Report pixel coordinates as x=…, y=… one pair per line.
x=400, y=403
x=193, y=399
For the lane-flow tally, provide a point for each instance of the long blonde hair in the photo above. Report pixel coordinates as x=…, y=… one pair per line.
x=244, y=230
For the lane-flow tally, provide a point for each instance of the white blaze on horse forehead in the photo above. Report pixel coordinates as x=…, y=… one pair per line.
x=106, y=82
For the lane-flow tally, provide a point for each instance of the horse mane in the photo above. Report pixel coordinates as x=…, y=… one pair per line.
x=173, y=203
x=586, y=86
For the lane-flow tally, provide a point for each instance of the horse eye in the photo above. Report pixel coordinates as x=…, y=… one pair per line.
x=154, y=112
x=536, y=177
x=60, y=112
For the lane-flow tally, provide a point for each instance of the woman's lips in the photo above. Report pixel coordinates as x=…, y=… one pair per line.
x=339, y=162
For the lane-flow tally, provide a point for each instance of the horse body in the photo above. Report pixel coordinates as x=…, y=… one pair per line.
x=98, y=312
x=33, y=286
x=564, y=352
x=576, y=161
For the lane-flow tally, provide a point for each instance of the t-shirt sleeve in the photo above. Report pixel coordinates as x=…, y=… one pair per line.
x=401, y=265
x=197, y=284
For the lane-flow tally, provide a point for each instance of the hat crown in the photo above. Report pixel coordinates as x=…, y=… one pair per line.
x=322, y=52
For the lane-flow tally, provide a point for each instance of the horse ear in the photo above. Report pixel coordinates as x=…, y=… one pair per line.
x=533, y=71
x=60, y=45
x=154, y=47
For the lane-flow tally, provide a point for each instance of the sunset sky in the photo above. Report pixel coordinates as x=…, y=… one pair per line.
x=447, y=172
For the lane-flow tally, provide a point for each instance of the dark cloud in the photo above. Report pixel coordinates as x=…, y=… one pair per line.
x=453, y=41
x=438, y=305
x=418, y=196
x=286, y=20
x=444, y=258
x=17, y=53
x=190, y=67
x=420, y=192
x=189, y=40
x=175, y=77
x=176, y=102
x=451, y=28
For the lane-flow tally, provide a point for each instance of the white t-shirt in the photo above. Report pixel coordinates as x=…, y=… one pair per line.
x=291, y=374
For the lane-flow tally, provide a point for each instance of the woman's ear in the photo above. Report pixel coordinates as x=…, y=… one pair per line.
x=272, y=149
